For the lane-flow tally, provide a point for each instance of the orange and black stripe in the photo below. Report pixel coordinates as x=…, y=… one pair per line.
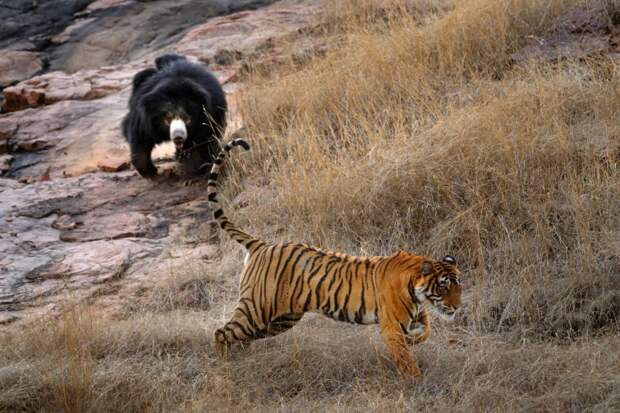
x=248, y=241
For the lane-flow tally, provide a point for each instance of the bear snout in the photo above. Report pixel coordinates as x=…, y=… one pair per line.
x=178, y=132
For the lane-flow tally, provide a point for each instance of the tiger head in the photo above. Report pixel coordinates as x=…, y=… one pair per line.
x=438, y=286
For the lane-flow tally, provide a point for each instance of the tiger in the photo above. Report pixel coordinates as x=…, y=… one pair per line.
x=281, y=282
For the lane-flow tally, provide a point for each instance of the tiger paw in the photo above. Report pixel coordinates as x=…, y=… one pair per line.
x=221, y=345
x=410, y=370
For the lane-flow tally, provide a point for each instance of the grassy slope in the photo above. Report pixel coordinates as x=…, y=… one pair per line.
x=415, y=133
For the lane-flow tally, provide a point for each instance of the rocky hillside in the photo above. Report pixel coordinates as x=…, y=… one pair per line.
x=75, y=221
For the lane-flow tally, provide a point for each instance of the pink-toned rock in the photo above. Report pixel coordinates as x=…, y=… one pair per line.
x=105, y=4
x=7, y=130
x=66, y=34
x=70, y=136
x=58, y=86
x=33, y=145
x=18, y=65
x=68, y=227
x=226, y=76
x=244, y=31
x=113, y=164
x=63, y=236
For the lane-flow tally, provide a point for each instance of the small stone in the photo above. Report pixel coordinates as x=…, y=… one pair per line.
x=113, y=164
x=33, y=145
x=105, y=4
x=5, y=163
x=8, y=319
x=64, y=223
x=45, y=176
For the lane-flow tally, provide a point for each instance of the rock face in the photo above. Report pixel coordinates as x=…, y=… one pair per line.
x=31, y=22
x=80, y=34
x=241, y=33
x=59, y=86
x=18, y=65
x=74, y=221
x=68, y=236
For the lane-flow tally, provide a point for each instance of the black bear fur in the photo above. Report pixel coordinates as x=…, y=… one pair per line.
x=175, y=88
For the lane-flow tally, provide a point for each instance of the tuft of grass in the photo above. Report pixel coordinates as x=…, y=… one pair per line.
x=155, y=362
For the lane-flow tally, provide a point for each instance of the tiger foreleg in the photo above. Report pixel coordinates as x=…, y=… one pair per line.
x=399, y=351
x=421, y=329
x=221, y=343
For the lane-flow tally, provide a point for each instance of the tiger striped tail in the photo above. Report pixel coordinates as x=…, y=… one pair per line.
x=241, y=237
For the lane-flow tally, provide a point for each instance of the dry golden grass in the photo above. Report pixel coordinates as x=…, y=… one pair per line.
x=415, y=133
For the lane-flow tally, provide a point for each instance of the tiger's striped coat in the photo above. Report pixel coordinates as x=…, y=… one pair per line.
x=281, y=282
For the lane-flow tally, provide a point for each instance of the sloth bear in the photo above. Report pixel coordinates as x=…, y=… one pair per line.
x=179, y=101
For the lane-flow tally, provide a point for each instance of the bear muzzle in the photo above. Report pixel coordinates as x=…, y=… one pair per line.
x=178, y=133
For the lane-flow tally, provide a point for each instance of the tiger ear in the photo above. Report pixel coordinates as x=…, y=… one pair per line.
x=426, y=268
x=449, y=259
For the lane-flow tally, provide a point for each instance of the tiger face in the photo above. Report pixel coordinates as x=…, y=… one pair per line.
x=439, y=286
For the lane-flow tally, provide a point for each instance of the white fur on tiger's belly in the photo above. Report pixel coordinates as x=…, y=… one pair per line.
x=369, y=318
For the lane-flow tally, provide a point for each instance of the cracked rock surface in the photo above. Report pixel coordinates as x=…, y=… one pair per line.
x=75, y=222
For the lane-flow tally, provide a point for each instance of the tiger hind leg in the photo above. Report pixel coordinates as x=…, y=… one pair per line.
x=283, y=323
x=240, y=329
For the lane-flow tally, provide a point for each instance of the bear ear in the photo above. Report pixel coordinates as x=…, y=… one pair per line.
x=142, y=76
x=168, y=59
x=426, y=268
x=449, y=259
